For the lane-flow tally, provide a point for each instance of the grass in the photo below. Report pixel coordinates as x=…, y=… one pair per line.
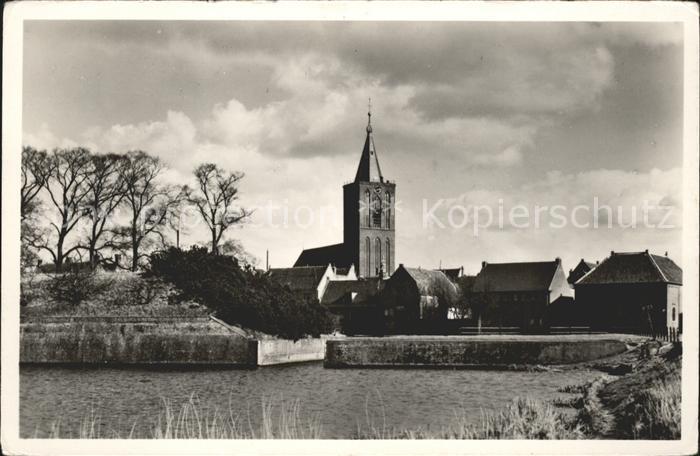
x=522, y=419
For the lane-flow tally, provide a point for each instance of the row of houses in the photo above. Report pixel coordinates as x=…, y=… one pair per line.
x=632, y=292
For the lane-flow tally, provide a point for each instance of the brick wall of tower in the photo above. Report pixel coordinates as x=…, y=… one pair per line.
x=359, y=227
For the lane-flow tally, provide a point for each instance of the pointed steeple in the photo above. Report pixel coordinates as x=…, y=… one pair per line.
x=368, y=169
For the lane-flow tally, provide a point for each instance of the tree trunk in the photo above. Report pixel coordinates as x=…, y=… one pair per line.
x=214, y=244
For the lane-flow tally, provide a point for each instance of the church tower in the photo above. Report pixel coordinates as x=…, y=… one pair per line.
x=369, y=215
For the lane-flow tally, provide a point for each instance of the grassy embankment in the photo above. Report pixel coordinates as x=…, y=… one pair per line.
x=122, y=294
x=643, y=404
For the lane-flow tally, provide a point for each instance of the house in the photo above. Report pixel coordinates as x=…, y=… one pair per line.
x=520, y=294
x=581, y=269
x=636, y=291
x=355, y=303
x=416, y=300
x=311, y=281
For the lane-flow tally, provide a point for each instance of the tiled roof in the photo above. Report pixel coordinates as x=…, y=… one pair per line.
x=533, y=276
x=305, y=278
x=335, y=254
x=634, y=267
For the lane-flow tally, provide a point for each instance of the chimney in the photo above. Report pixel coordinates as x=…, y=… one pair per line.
x=612, y=252
x=646, y=251
x=483, y=264
x=557, y=260
x=666, y=254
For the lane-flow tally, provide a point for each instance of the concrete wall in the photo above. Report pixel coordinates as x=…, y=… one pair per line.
x=493, y=351
x=281, y=351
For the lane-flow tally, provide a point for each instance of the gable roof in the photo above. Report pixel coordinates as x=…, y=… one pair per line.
x=531, y=276
x=579, y=271
x=338, y=289
x=368, y=170
x=305, y=278
x=334, y=254
x=634, y=267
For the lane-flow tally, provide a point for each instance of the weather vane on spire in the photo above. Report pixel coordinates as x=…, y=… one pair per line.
x=369, y=115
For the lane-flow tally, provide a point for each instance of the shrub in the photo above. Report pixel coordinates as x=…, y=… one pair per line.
x=240, y=295
x=75, y=286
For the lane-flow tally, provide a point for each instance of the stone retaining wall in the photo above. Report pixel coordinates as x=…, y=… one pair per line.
x=455, y=351
x=142, y=341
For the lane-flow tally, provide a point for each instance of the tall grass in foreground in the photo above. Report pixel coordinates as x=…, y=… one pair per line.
x=522, y=419
x=655, y=413
x=190, y=422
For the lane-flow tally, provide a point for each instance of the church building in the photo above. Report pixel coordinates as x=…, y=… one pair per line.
x=368, y=221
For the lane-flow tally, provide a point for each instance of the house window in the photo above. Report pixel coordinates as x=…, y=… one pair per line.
x=673, y=314
x=378, y=254
x=368, y=256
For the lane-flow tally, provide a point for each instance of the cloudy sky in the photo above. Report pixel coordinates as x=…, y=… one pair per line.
x=486, y=114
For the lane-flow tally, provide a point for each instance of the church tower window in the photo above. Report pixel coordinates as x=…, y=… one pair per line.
x=368, y=202
x=376, y=211
x=378, y=254
x=387, y=255
x=387, y=210
x=368, y=255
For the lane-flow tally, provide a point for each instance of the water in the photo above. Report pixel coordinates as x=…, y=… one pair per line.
x=341, y=398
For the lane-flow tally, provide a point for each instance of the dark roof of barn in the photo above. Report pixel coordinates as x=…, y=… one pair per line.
x=335, y=254
x=634, y=267
x=532, y=276
x=299, y=278
x=430, y=282
x=365, y=288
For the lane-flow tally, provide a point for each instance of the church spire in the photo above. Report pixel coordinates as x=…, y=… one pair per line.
x=368, y=169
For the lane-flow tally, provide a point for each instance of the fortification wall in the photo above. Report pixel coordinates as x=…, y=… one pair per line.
x=469, y=351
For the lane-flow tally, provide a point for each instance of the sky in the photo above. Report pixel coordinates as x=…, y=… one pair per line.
x=464, y=114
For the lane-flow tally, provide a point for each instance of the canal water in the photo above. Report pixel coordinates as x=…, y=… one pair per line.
x=341, y=399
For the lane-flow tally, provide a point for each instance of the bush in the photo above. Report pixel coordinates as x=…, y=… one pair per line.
x=240, y=295
x=75, y=286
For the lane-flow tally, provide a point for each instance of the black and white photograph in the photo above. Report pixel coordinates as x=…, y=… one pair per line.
x=350, y=225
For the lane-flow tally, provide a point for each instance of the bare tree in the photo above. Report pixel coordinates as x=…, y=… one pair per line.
x=105, y=191
x=65, y=185
x=215, y=198
x=149, y=201
x=36, y=167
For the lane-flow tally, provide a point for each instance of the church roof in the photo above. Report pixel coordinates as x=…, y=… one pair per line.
x=335, y=254
x=368, y=170
x=636, y=267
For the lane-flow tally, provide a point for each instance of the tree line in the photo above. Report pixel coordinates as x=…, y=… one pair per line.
x=118, y=202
